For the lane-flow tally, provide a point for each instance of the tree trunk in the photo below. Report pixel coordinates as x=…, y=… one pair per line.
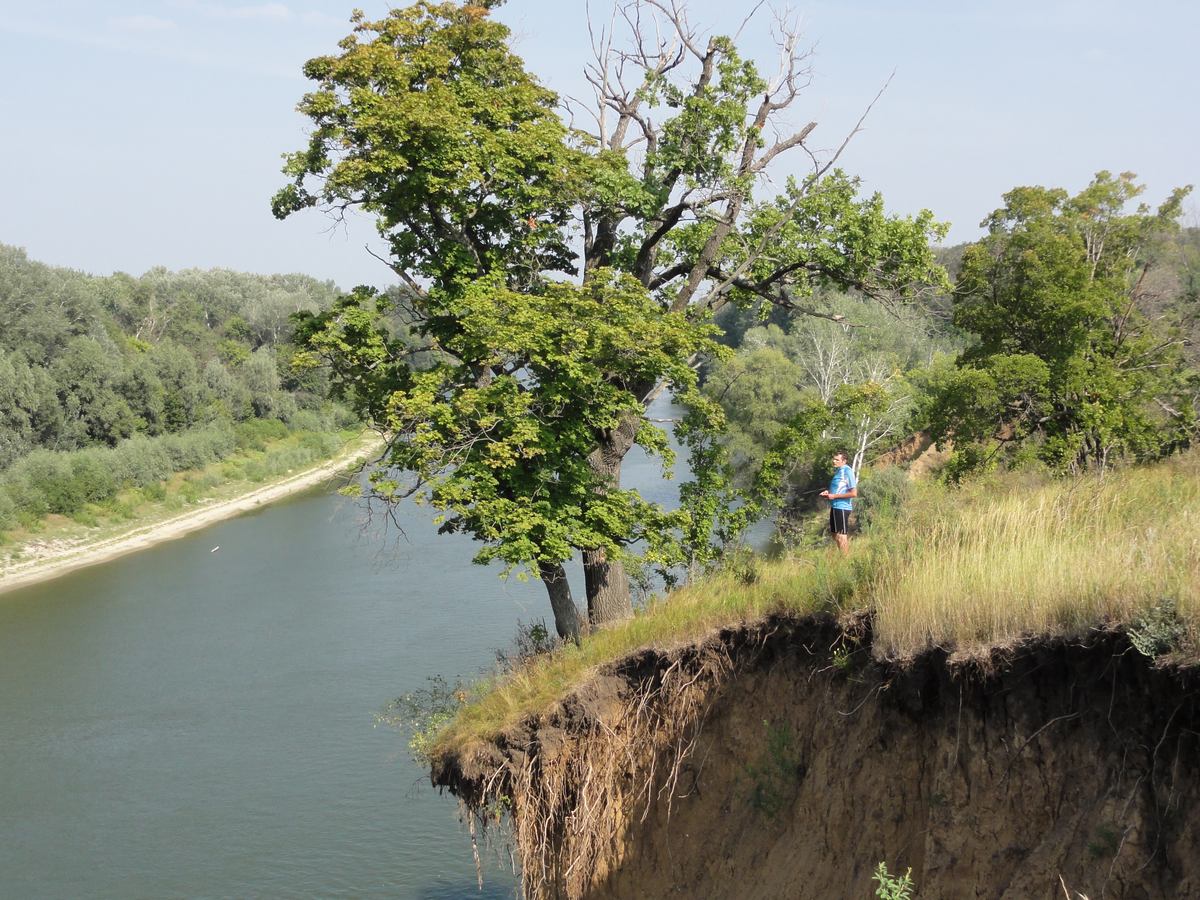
x=566, y=615
x=607, y=588
x=608, y=597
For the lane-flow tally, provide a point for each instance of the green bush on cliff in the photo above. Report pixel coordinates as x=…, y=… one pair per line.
x=893, y=887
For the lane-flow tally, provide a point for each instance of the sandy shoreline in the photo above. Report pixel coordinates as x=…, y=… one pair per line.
x=89, y=554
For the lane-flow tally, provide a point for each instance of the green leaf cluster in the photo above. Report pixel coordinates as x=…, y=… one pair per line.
x=430, y=122
x=497, y=430
x=1068, y=368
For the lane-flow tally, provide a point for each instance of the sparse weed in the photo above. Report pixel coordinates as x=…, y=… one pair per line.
x=1158, y=630
x=776, y=773
x=1105, y=842
x=86, y=516
x=532, y=640
x=893, y=887
x=423, y=713
x=743, y=565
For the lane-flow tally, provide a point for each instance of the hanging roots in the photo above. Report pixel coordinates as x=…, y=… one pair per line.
x=570, y=784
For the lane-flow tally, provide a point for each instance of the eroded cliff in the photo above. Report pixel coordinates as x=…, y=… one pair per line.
x=784, y=760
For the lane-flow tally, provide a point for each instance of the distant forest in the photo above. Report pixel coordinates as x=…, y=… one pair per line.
x=115, y=381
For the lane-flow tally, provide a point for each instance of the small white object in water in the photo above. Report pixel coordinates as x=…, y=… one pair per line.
x=215, y=549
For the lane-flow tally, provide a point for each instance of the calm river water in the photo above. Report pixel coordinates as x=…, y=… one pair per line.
x=189, y=723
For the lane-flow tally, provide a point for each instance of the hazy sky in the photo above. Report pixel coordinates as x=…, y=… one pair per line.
x=136, y=133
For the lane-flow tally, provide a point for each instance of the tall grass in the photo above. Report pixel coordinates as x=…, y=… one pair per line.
x=964, y=569
x=1011, y=557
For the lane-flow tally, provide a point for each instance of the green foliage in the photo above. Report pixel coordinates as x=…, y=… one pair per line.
x=257, y=433
x=8, y=510
x=499, y=430
x=1105, y=842
x=1067, y=363
x=893, y=887
x=743, y=564
x=870, y=379
x=424, y=712
x=882, y=496
x=832, y=237
x=532, y=640
x=1158, y=630
x=71, y=483
x=430, y=122
x=45, y=482
x=514, y=394
x=114, y=382
x=776, y=773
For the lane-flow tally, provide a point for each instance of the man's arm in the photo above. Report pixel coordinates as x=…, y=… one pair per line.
x=849, y=495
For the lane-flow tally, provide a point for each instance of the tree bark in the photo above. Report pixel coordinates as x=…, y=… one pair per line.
x=607, y=584
x=608, y=596
x=566, y=614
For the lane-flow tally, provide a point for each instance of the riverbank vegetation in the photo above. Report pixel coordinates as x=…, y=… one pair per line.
x=516, y=429
x=275, y=455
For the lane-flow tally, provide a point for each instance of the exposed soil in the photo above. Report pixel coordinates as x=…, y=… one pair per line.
x=783, y=760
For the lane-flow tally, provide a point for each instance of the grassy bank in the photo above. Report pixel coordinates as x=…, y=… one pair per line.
x=260, y=458
x=964, y=569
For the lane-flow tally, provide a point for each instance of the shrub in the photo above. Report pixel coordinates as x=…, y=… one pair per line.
x=532, y=640
x=156, y=492
x=43, y=482
x=320, y=443
x=8, y=510
x=343, y=417
x=883, y=495
x=423, y=713
x=309, y=420
x=743, y=564
x=255, y=433
x=776, y=773
x=92, y=472
x=195, y=449
x=893, y=887
x=86, y=517
x=1158, y=630
x=141, y=461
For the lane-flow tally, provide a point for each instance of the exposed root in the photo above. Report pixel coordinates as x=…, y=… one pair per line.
x=570, y=810
x=570, y=798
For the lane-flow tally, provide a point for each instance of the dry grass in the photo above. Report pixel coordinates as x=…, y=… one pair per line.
x=1006, y=559
x=999, y=561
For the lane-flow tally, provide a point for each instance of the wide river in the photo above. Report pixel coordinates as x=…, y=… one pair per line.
x=198, y=722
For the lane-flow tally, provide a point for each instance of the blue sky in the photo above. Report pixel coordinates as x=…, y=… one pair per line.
x=149, y=132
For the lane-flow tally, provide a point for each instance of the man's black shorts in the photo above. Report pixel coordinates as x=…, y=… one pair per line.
x=839, y=521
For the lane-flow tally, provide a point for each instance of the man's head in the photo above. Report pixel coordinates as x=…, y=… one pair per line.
x=839, y=458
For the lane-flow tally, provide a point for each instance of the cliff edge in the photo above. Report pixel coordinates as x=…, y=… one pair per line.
x=783, y=759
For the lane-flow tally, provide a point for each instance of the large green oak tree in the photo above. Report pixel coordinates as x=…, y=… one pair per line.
x=556, y=278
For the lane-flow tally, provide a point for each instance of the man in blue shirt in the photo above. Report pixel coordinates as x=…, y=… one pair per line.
x=843, y=488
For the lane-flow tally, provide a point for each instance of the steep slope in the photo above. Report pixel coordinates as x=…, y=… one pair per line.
x=783, y=760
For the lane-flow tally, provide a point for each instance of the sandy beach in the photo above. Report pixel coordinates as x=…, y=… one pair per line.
x=59, y=561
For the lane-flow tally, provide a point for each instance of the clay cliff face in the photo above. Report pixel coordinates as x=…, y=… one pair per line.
x=783, y=761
